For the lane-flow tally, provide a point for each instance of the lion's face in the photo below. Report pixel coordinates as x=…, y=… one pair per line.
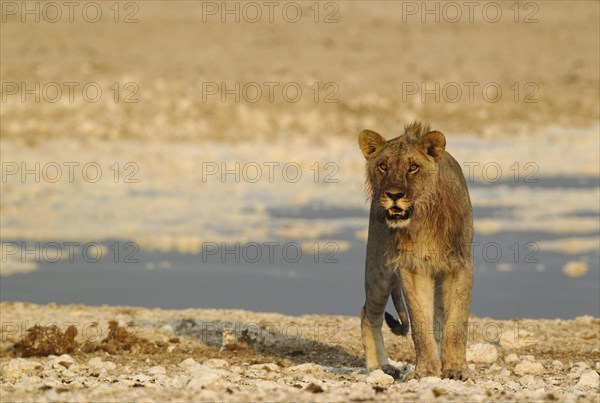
x=402, y=172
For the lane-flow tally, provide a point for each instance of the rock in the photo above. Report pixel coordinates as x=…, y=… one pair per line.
x=268, y=371
x=361, y=391
x=429, y=380
x=62, y=362
x=513, y=385
x=426, y=395
x=529, y=368
x=141, y=378
x=495, y=368
x=94, y=362
x=482, y=353
x=156, y=370
x=577, y=268
x=585, y=319
x=578, y=369
x=314, y=388
x=306, y=368
x=264, y=368
x=237, y=369
x=531, y=382
x=338, y=370
x=491, y=385
x=517, y=339
x=266, y=385
x=271, y=366
x=579, y=366
x=216, y=363
x=200, y=369
x=23, y=364
x=178, y=381
x=397, y=364
x=379, y=378
x=188, y=362
x=108, y=365
x=539, y=394
x=569, y=397
x=589, y=380
x=557, y=364
x=469, y=383
x=17, y=366
x=511, y=358
x=97, y=363
x=553, y=381
x=205, y=379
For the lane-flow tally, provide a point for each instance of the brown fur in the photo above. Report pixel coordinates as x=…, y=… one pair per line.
x=421, y=222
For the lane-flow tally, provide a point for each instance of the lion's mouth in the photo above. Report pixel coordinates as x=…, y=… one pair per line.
x=396, y=213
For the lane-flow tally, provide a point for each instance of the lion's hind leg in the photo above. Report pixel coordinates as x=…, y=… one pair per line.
x=399, y=328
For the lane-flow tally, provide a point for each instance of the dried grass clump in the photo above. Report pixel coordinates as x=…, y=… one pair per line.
x=120, y=339
x=42, y=341
x=47, y=340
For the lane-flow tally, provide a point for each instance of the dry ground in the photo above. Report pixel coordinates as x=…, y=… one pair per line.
x=207, y=354
x=371, y=54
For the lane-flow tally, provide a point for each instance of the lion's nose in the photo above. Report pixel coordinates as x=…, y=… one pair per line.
x=395, y=195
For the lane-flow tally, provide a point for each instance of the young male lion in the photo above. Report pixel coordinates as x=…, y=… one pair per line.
x=420, y=232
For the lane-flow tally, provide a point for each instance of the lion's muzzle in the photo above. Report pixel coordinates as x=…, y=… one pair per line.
x=398, y=213
x=398, y=208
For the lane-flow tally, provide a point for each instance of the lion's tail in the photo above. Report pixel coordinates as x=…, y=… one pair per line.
x=399, y=328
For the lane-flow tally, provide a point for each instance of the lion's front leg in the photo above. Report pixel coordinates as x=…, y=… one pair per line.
x=418, y=290
x=371, y=320
x=456, y=289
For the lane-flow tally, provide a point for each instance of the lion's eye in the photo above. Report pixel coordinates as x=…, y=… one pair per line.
x=413, y=168
x=383, y=167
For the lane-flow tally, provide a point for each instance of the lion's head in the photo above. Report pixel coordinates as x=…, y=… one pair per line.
x=402, y=172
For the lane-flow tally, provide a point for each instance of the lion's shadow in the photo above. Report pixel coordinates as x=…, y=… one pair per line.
x=320, y=347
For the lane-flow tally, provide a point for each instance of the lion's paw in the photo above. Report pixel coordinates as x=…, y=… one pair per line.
x=392, y=371
x=410, y=375
x=459, y=374
x=422, y=372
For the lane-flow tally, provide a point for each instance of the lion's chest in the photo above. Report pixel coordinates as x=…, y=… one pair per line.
x=417, y=254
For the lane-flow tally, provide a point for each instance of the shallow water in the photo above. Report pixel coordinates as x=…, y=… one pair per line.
x=513, y=277
x=300, y=287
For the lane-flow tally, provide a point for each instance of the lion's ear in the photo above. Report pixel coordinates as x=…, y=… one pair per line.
x=432, y=144
x=370, y=142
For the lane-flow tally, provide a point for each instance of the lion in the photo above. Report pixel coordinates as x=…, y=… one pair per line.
x=419, y=246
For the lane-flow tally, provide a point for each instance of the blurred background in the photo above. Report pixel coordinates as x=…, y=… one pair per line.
x=204, y=154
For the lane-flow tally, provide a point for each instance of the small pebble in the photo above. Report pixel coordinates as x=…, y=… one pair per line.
x=482, y=353
x=589, y=380
x=379, y=378
x=529, y=368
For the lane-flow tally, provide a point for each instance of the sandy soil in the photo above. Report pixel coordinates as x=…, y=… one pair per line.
x=202, y=354
x=369, y=54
